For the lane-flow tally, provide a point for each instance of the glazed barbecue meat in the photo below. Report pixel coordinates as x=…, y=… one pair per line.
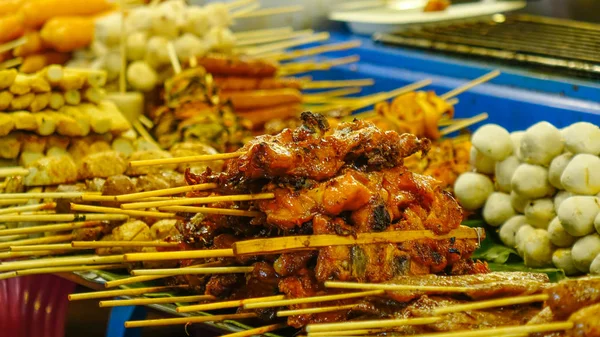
x=307, y=152
x=586, y=322
x=569, y=296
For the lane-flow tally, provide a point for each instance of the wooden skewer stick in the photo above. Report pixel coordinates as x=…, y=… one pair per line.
x=392, y=287
x=188, y=159
x=268, y=12
x=146, y=301
x=331, y=93
x=285, y=313
x=13, y=171
x=46, y=195
x=200, y=200
x=186, y=254
x=13, y=254
x=108, y=244
x=273, y=38
x=60, y=261
x=100, y=209
x=228, y=304
x=49, y=228
x=47, y=239
x=314, y=50
x=13, y=201
x=146, y=122
x=54, y=270
x=257, y=331
x=376, y=98
x=254, y=51
x=173, y=58
x=136, y=279
x=192, y=271
x=186, y=320
x=122, y=292
x=464, y=124
x=13, y=44
x=245, y=10
x=358, y=332
x=163, y=192
x=501, y=302
x=338, y=84
x=62, y=217
x=28, y=208
x=11, y=63
x=251, y=34
x=304, y=242
x=313, y=299
x=239, y=3
x=470, y=85
x=382, y=323
x=504, y=331
x=209, y=210
x=48, y=247
x=8, y=275
x=141, y=130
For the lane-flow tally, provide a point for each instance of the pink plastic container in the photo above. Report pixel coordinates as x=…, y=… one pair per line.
x=34, y=306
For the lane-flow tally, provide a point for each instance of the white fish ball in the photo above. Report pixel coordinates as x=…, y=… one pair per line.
x=508, y=230
x=582, y=175
x=188, y=45
x=139, y=19
x=493, y=141
x=531, y=181
x=136, y=45
x=472, y=190
x=595, y=266
x=221, y=39
x=540, y=212
x=522, y=234
x=497, y=209
x=597, y=221
x=560, y=197
x=481, y=163
x=141, y=76
x=585, y=250
x=558, y=235
x=218, y=14
x=577, y=214
x=516, y=137
x=557, y=167
x=541, y=143
x=197, y=21
x=504, y=172
x=563, y=259
x=157, y=52
x=165, y=23
x=518, y=202
x=582, y=137
x=538, y=249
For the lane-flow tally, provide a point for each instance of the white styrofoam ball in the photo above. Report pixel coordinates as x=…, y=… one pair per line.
x=492, y=141
x=516, y=137
x=522, y=234
x=557, y=166
x=472, y=190
x=497, y=209
x=508, y=230
x=582, y=175
x=563, y=259
x=504, y=172
x=538, y=249
x=531, y=181
x=558, y=235
x=595, y=266
x=582, y=137
x=541, y=143
x=584, y=251
x=577, y=214
x=481, y=163
x=560, y=197
x=518, y=202
x=540, y=212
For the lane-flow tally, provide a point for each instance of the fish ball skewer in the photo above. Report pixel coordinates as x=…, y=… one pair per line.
x=498, y=209
x=141, y=76
x=538, y=249
x=472, y=190
x=560, y=197
x=531, y=181
x=582, y=137
x=508, y=230
x=557, y=167
x=504, y=172
x=562, y=258
x=584, y=251
x=540, y=212
x=540, y=144
x=493, y=141
x=481, y=163
x=582, y=175
x=558, y=235
x=577, y=214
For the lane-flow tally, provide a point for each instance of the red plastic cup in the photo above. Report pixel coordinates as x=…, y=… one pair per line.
x=34, y=306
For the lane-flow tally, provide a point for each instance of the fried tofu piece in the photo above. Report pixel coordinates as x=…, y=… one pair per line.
x=103, y=165
x=51, y=171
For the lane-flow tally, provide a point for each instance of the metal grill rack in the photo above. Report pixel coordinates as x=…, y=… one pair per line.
x=568, y=46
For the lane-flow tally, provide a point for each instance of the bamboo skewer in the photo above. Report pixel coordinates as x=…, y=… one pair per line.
x=393, y=287
x=314, y=50
x=192, y=271
x=228, y=304
x=200, y=200
x=464, y=124
x=239, y=3
x=273, y=38
x=470, y=85
x=13, y=171
x=54, y=270
x=122, y=292
x=382, y=323
x=359, y=332
x=139, y=128
x=209, y=210
x=501, y=302
x=376, y=98
x=262, y=32
x=62, y=217
x=186, y=320
x=173, y=58
x=13, y=44
x=27, y=208
x=505, y=331
x=302, y=67
x=257, y=331
x=338, y=84
x=286, y=313
x=255, y=51
x=164, y=192
x=189, y=254
x=13, y=254
x=48, y=247
x=188, y=159
x=47, y=239
x=137, y=213
x=313, y=299
x=108, y=244
x=49, y=228
x=146, y=301
x=268, y=12
x=46, y=195
x=245, y=10
x=331, y=93
x=136, y=279
x=60, y=261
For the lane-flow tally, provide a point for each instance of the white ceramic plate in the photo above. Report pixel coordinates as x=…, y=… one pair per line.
x=397, y=14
